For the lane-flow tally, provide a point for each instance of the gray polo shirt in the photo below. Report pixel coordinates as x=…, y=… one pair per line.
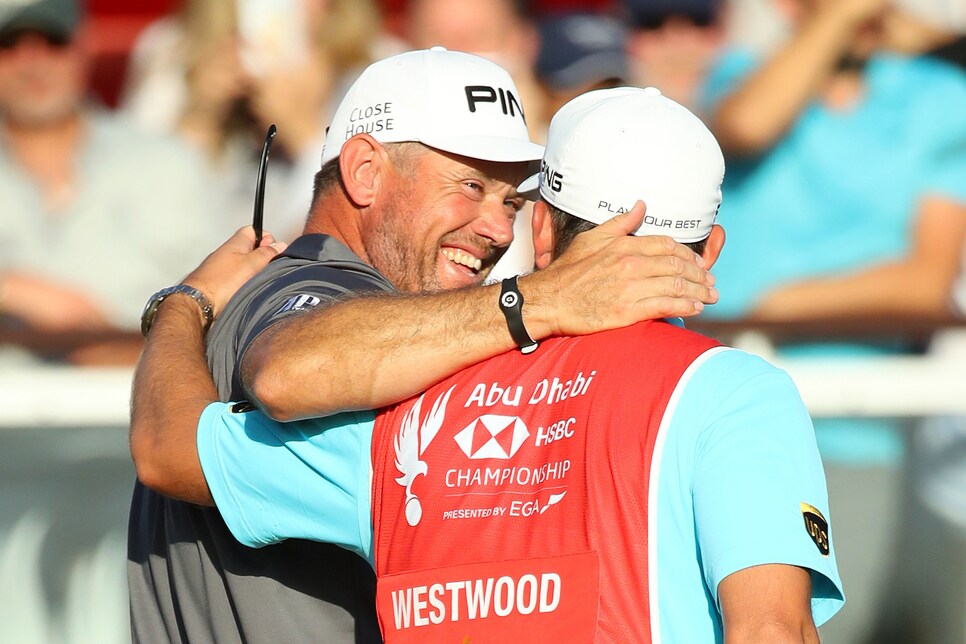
x=190, y=581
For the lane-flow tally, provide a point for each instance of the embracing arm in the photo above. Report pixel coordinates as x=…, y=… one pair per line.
x=918, y=284
x=369, y=352
x=768, y=603
x=172, y=384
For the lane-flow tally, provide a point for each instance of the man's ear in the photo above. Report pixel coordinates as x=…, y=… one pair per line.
x=714, y=245
x=361, y=162
x=542, y=225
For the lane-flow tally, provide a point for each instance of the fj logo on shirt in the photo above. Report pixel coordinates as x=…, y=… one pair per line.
x=817, y=527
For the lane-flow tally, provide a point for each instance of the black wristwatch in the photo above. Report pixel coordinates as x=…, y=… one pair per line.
x=151, y=308
x=511, y=303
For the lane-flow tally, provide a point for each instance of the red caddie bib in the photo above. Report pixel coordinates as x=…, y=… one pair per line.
x=510, y=500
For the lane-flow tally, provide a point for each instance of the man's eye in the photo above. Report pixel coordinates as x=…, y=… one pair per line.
x=473, y=185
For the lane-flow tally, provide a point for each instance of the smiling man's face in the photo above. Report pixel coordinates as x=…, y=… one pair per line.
x=446, y=221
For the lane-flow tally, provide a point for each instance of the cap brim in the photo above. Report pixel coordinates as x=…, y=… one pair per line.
x=530, y=188
x=489, y=148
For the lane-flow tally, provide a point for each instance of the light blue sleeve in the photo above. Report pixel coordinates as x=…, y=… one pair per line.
x=306, y=479
x=756, y=463
x=945, y=174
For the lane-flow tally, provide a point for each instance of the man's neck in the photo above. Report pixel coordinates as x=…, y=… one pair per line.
x=46, y=153
x=336, y=218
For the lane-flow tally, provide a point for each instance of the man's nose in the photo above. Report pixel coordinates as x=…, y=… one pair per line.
x=496, y=223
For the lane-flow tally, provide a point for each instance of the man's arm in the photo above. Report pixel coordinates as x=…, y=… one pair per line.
x=768, y=603
x=768, y=102
x=755, y=457
x=47, y=306
x=172, y=384
x=918, y=284
x=273, y=481
x=370, y=352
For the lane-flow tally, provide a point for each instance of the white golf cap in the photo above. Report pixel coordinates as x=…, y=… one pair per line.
x=448, y=100
x=608, y=148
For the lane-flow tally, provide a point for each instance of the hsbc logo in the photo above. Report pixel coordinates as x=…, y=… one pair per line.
x=492, y=436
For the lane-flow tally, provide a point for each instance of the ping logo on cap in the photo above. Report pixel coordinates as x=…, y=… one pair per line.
x=551, y=178
x=509, y=104
x=817, y=528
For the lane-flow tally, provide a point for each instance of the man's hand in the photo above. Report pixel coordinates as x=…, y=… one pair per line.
x=232, y=264
x=608, y=279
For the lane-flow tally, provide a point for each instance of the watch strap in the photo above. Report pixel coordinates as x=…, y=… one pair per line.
x=511, y=303
x=151, y=309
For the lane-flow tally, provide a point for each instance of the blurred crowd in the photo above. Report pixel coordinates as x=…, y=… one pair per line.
x=113, y=189
x=843, y=124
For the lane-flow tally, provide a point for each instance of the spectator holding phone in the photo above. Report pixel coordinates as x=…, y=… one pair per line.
x=218, y=73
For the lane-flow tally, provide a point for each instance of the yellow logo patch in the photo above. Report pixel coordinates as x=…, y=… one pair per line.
x=817, y=527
